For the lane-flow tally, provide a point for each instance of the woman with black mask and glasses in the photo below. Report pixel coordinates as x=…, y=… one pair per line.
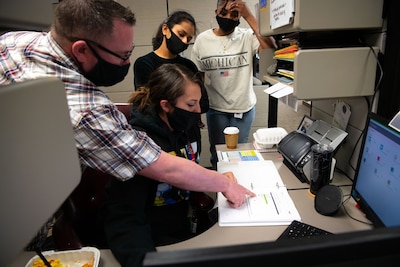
x=173, y=37
x=224, y=56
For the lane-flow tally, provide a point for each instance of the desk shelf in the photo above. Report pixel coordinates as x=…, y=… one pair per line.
x=333, y=73
x=326, y=15
x=328, y=68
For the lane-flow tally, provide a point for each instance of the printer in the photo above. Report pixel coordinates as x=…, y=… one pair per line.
x=295, y=147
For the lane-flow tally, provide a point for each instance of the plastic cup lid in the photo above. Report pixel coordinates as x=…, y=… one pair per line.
x=231, y=130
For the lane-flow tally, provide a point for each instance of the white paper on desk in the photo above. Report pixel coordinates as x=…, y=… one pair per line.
x=272, y=204
x=239, y=155
x=274, y=88
x=287, y=90
x=268, y=208
x=279, y=90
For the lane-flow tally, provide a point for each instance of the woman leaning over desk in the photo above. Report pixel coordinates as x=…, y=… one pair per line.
x=142, y=213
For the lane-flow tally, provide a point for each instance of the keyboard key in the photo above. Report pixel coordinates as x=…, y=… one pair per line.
x=297, y=230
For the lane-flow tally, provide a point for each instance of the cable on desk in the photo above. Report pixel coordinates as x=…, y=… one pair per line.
x=344, y=207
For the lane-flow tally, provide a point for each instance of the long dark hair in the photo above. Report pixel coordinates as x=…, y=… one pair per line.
x=175, y=18
x=167, y=82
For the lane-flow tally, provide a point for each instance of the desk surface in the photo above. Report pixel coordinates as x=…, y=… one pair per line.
x=340, y=223
x=220, y=236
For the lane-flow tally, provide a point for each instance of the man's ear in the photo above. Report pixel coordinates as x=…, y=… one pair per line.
x=80, y=50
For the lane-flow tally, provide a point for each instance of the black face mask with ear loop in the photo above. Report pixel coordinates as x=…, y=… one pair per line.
x=105, y=73
x=227, y=25
x=175, y=44
x=182, y=120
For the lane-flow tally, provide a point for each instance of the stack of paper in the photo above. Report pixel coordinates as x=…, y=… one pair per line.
x=272, y=204
x=285, y=57
x=287, y=73
x=286, y=53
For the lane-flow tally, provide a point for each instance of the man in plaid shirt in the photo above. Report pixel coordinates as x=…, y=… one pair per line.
x=89, y=45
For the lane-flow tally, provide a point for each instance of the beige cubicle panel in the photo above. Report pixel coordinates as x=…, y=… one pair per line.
x=325, y=15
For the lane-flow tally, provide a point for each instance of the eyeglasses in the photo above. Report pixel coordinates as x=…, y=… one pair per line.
x=124, y=58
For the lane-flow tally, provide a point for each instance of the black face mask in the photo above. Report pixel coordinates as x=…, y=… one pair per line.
x=182, y=120
x=227, y=25
x=105, y=73
x=175, y=45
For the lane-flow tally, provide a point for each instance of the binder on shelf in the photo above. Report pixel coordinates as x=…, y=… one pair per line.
x=272, y=204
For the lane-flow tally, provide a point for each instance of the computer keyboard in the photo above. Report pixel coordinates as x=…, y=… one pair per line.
x=298, y=230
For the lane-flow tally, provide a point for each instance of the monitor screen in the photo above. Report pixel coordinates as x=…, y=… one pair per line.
x=376, y=186
x=361, y=248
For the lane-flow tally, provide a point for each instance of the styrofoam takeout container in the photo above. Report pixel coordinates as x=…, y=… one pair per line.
x=268, y=137
x=72, y=258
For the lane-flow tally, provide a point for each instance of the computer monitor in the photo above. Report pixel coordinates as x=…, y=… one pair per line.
x=376, y=186
x=362, y=248
x=39, y=164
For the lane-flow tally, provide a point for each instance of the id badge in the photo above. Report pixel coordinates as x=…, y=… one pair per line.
x=238, y=115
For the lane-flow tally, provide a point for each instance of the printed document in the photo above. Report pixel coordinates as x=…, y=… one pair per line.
x=242, y=155
x=272, y=204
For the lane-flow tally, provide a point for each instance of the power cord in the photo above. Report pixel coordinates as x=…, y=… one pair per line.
x=348, y=214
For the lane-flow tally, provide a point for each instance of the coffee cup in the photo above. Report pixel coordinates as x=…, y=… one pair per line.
x=231, y=137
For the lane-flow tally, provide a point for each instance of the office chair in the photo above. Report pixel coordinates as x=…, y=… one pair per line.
x=79, y=223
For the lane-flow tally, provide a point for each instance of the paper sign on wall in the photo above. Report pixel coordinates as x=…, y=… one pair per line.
x=341, y=114
x=281, y=13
